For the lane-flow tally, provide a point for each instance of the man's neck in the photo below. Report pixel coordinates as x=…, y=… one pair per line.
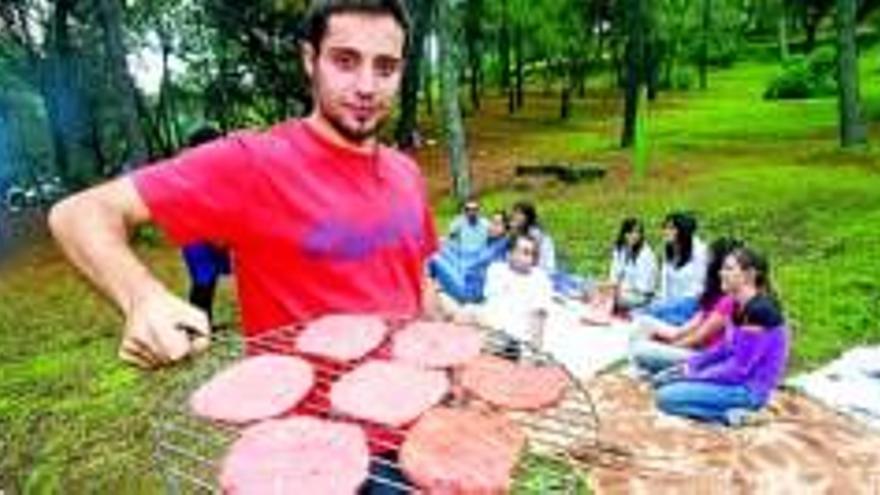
x=325, y=129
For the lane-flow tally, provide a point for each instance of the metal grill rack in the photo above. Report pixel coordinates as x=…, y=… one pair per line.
x=188, y=450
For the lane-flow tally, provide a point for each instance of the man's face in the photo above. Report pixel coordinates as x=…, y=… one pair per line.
x=472, y=210
x=524, y=255
x=356, y=74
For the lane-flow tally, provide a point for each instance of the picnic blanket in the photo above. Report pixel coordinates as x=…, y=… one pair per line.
x=584, y=349
x=850, y=384
x=802, y=448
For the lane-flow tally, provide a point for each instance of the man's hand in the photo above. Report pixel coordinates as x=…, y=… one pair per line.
x=161, y=329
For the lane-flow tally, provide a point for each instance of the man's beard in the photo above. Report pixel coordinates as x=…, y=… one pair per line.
x=355, y=136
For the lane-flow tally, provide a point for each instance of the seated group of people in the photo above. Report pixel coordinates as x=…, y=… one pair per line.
x=710, y=332
x=710, y=335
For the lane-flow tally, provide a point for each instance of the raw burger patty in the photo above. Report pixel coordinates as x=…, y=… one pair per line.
x=342, y=337
x=436, y=344
x=514, y=386
x=462, y=452
x=388, y=392
x=298, y=455
x=255, y=388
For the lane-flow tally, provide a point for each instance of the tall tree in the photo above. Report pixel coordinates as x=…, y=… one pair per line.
x=412, y=78
x=473, y=35
x=634, y=23
x=110, y=14
x=782, y=29
x=452, y=119
x=852, y=127
x=705, y=34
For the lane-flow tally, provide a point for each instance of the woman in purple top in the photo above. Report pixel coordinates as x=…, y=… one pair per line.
x=738, y=375
x=659, y=345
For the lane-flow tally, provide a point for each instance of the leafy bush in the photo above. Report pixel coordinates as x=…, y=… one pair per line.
x=806, y=77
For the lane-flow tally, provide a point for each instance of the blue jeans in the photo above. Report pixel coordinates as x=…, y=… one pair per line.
x=710, y=402
x=652, y=356
x=676, y=311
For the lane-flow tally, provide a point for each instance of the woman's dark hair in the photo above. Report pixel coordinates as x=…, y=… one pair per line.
x=718, y=252
x=314, y=25
x=681, y=249
x=749, y=259
x=528, y=211
x=628, y=225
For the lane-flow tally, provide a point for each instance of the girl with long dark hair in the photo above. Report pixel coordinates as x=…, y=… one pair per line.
x=683, y=275
x=633, y=266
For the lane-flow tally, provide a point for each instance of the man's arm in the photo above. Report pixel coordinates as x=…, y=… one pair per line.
x=92, y=229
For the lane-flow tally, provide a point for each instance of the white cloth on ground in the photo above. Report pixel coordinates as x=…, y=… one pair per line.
x=850, y=384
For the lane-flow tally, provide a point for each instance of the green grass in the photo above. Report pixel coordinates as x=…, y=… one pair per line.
x=73, y=420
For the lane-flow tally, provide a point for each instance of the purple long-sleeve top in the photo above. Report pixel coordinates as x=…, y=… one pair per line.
x=755, y=359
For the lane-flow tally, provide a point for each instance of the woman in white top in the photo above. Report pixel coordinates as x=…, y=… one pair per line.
x=633, y=266
x=683, y=276
x=518, y=294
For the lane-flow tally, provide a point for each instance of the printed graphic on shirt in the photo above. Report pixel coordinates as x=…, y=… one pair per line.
x=342, y=239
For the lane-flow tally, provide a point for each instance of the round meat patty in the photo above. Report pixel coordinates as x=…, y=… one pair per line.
x=296, y=456
x=437, y=344
x=512, y=385
x=254, y=388
x=388, y=392
x=342, y=337
x=462, y=452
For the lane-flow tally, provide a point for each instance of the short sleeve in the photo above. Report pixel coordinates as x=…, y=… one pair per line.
x=201, y=194
x=430, y=244
x=763, y=312
x=725, y=306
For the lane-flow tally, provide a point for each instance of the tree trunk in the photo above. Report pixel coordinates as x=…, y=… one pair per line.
x=473, y=40
x=59, y=90
x=412, y=77
x=504, y=47
x=634, y=54
x=852, y=127
x=164, y=115
x=783, y=31
x=455, y=135
x=652, y=68
x=569, y=77
x=520, y=67
x=110, y=13
x=704, y=44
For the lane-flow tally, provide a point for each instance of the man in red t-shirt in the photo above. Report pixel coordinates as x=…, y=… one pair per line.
x=318, y=216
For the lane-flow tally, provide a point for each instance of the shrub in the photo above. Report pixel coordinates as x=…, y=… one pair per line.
x=806, y=77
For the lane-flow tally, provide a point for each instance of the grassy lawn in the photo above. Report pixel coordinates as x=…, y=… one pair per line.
x=73, y=420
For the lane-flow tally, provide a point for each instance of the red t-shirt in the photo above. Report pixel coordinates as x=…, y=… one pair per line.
x=314, y=228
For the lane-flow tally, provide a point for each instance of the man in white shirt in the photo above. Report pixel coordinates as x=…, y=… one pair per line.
x=518, y=294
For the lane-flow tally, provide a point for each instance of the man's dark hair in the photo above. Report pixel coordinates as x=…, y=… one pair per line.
x=316, y=19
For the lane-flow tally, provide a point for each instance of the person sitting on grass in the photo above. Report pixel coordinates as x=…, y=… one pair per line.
x=469, y=230
x=460, y=274
x=683, y=274
x=518, y=295
x=633, y=266
x=660, y=345
x=730, y=382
